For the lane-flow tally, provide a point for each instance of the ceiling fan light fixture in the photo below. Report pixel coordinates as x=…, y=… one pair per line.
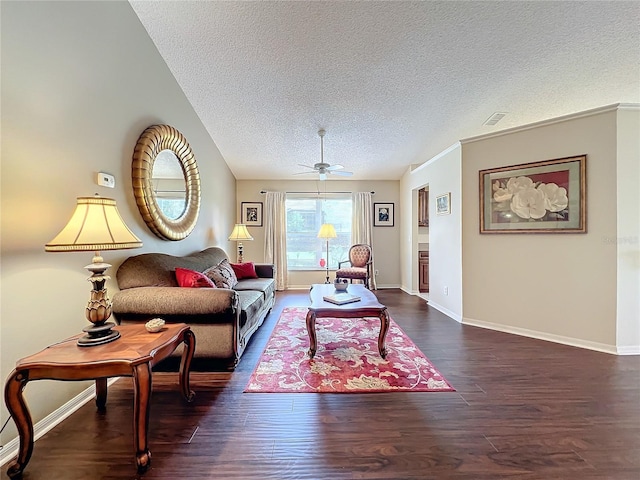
x=322, y=168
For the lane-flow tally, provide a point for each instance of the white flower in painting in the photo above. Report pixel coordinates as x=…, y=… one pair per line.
x=529, y=203
x=555, y=197
x=515, y=185
x=518, y=184
x=502, y=195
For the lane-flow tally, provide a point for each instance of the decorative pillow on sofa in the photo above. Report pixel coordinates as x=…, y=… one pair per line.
x=244, y=270
x=222, y=275
x=192, y=279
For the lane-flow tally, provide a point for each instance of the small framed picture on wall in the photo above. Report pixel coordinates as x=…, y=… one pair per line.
x=383, y=214
x=443, y=204
x=252, y=213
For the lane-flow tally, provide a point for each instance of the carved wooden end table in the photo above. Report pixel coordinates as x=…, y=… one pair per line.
x=367, y=306
x=132, y=355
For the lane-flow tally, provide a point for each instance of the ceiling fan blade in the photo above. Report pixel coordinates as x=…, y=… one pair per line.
x=307, y=166
x=304, y=173
x=323, y=176
x=341, y=173
x=337, y=166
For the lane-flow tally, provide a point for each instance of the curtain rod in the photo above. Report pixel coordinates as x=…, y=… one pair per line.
x=319, y=193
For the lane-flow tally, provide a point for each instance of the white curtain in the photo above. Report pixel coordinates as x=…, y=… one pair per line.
x=275, y=232
x=362, y=226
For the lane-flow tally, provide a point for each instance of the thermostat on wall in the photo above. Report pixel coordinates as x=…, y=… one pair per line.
x=106, y=180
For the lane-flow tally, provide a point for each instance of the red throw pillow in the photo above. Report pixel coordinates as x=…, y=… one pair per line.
x=192, y=279
x=244, y=270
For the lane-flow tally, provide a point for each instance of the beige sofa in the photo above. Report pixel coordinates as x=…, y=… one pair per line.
x=222, y=319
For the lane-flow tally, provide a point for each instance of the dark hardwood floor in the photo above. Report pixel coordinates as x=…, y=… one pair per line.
x=523, y=409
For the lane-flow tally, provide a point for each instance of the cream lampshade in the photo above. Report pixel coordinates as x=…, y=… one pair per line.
x=327, y=231
x=239, y=234
x=95, y=225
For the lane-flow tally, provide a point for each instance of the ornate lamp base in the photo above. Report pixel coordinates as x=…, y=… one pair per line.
x=99, y=308
x=98, y=335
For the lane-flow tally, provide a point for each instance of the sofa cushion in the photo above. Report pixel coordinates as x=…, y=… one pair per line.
x=250, y=304
x=167, y=301
x=244, y=270
x=266, y=286
x=222, y=275
x=192, y=279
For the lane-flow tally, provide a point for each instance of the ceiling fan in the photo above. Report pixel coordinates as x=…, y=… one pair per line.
x=323, y=168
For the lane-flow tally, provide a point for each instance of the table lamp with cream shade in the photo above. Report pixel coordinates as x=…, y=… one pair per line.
x=327, y=231
x=95, y=225
x=239, y=234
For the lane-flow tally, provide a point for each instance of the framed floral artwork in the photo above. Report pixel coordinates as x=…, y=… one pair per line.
x=252, y=213
x=539, y=197
x=383, y=214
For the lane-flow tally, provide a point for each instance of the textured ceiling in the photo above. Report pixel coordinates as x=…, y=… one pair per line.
x=393, y=83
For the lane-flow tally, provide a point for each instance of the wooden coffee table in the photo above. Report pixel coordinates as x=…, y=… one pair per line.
x=132, y=355
x=367, y=306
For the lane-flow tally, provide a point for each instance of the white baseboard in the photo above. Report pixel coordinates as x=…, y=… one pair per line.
x=574, y=342
x=446, y=311
x=438, y=307
x=10, y=450
x=524, y=332
x=629, y=350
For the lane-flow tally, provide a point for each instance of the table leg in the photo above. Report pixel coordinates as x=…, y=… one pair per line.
x=311, y=330
x=384, y=327
x=20, y=413
x=141, y=399
x=185, y=364
x=101, y=394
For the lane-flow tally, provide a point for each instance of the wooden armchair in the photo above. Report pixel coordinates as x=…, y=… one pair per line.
x=360, y=261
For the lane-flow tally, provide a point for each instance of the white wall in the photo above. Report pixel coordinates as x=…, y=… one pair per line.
x=627, y=239
x=442, y=175
x=80, y=82
x=561, y=287
x=385, y=239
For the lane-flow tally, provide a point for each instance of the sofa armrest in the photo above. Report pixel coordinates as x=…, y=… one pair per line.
x=174, y=301
x=265, y=270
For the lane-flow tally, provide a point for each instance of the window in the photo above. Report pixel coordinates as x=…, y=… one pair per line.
x=171, y=197
x=305, y=215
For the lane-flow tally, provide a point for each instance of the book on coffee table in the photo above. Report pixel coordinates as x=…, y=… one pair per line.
x=341, y=298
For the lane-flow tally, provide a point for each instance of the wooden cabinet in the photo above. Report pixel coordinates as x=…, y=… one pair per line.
x=423, y=208
x=423, y=271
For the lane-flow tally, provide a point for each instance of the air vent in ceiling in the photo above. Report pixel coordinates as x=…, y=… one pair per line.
x=495, y=118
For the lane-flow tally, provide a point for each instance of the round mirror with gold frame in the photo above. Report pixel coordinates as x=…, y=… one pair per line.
x=166, y=182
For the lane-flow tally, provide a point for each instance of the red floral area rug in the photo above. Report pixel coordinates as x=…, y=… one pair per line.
x=346, y=361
